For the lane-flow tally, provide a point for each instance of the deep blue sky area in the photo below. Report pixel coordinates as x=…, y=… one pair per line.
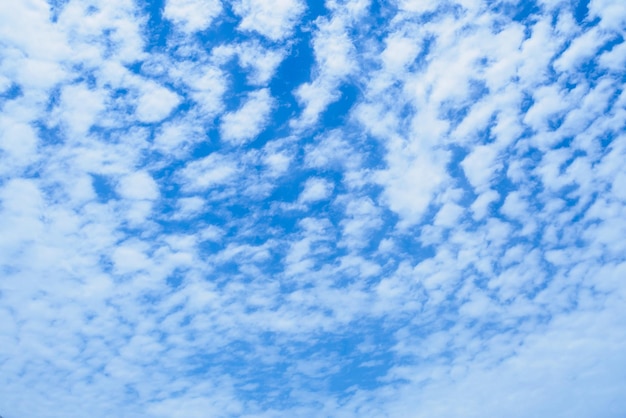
x=340, y=208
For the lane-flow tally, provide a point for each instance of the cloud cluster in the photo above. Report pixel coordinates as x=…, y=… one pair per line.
x=426, y=221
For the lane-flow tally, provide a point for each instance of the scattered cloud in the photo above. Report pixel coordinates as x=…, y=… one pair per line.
x=273, y=20
x=315, y=189
x=352, y=208
x=192, y=15
x=248, y=121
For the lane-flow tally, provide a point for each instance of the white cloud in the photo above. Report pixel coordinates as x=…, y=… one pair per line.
x=541, y=46
x=47, y=43
x=315, y=189
x=129, y=258
x=567, y=361
x=189, y=207
x=315, y=96
x=615, y=59
x=335, y=60
x=192, y=15
x=138, y=186
x=331, y=150
x=417, y=6
x=482, y=202
x=274, y=20
x=109, y=29
x=619, y=186
x=19, y=142
x=80, y=108
x=197, y=406
x=448, y=215
x=249, y=120
x=277, y=162
x=155, y=103
x=411, y=183
x=207, y=84
x=515, y=206
x=362, y=218
x=582, y=48
x=399, y=52
x=263, y=62
x=178, y=136
x=549, y=102
x=213, y=170
x=22, y=207
x=611, y=12
x=227, y=260
x=480, y=166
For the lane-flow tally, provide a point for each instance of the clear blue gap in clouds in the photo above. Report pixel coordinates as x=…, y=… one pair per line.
x=56, y=6
x=581, y=11
x=12, y=92
x=296, y=68
x=157, y=28
x=103, y=187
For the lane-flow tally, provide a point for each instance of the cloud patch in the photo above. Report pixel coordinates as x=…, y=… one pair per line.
x=248, y=121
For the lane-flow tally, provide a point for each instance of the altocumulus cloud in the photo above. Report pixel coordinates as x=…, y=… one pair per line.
x=349, y=208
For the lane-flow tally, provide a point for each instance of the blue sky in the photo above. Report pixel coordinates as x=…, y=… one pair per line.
x=341, y=208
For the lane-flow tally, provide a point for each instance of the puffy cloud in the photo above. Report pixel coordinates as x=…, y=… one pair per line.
x=248, y=121
x=274, y=20
x=80, y=108
x=155, y=103
x=206, y=84
x=192, y=15
x=213, y=170
x=411, y=184
x=480, y=166
x=138, y=186
x=315, y=189
x=335, y=59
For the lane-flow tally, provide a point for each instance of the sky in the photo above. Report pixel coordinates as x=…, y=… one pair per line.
x=339, y=208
